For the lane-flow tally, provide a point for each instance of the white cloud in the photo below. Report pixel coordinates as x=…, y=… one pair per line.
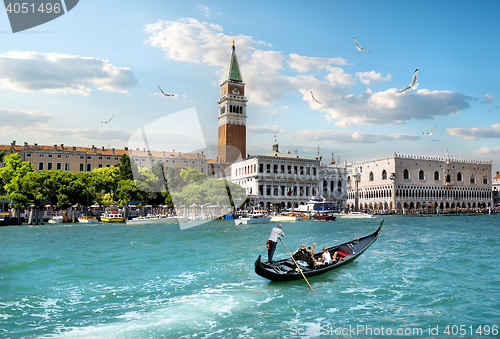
x=205, y=9
x=487, y=99
x=372, y=77
x=21, y=118
x=54, y=73
x=268, y=80
x=472, y=134
x=488, y=150
x=329, y=136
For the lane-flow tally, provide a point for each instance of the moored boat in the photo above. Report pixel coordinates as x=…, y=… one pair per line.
x=324, y=217
x=112, y=214
x=286, y=217
x=87, y=219
x=253, y=218
x=57, y=219
x=285, y=269
x=355, y=215
x=153, y=219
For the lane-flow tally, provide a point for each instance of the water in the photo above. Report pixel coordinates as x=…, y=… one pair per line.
x=119, y=281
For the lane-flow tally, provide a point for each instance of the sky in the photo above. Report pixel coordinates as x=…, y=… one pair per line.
x=105, y=59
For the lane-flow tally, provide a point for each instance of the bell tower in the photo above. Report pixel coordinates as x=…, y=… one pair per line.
x=232, y=139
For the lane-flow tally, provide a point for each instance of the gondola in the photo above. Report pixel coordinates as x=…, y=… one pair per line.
x=285, y=269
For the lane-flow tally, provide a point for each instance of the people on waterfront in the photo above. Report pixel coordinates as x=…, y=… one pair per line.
x=272, y=242
x=326, y=258
x=303, y=254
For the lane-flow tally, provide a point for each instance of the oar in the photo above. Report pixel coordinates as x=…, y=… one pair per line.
x=291, y=256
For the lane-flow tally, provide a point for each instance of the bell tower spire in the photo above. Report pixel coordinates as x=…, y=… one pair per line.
x=232, y=113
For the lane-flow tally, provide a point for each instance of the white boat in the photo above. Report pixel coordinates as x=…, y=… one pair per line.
x=112, y=214
x=88, y=219
x=253, y=218
x=56, y=219
x=354, y=215
x=153, y=219
x=314, y=206
x=286, y=217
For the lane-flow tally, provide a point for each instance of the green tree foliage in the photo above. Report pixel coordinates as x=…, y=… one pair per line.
x=174, y=180
x=127, y=167
x=11, y=174
x=191, y=175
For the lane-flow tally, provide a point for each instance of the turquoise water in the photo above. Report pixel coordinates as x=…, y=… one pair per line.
x=119, y=281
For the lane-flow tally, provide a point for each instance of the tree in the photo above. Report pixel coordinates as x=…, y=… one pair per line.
x=10, y=177
x=127, y=168
x=191, y=175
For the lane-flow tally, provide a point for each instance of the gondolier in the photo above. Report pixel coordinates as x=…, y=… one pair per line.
x=272, y=241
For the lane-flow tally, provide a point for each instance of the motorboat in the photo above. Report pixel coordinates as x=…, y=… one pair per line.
x=57, y=219
x=315, y=206
x=355, y=215
x=153, y=219
x=324, y=217
x=286, y=217
x=253, y=218
x=112, y=214
x=88, y=219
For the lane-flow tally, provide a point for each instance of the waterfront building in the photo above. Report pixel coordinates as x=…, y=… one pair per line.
x=496, y=189
x=232, y=113
x=410, y=181
x=285, y=180
x=85, y=159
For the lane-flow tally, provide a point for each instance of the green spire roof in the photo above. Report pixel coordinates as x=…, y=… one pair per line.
x=232, y=70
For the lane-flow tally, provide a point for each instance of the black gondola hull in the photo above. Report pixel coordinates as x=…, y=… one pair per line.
x=285, y=269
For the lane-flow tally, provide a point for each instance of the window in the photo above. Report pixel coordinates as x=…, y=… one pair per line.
x=58, y=166
x=41, y=155
x=49, y=165
x=384, y=175
x=283, y=169
x=421, y=175
x=406, y=174
x=49, y=155
x=289, y=169
x=314, y=170
x=40, y=166
x=436, y=175
x=89, y=167
x=339, y=185
x=485, y=180
x=268, y=169
x=472, y=179
x=99, y=165
x=275, y=170
x=89, y=157
x=448, y=178
x=108, y=158
x=116, y=158
x=308, y=171
x=371, y=176
x=66, y=166
x=81, y=167
x=67, y=156
x=28, y=155
x=82, y=157
x=59, y=156
x=294, y=169
x=459, y=176
x=99, y=158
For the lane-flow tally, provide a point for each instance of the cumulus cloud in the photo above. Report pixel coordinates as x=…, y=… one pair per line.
x=270, y=75
x=372, y=77
x=472, y=134
x=330, y=136
x=488, y=150
x=21, y=118
x=55, y=73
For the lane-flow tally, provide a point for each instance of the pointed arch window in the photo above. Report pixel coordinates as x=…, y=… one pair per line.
x=371, y=176
x=421, y=175
x=406, y=174
x=472, y=179
x=325, y=185
x=436, y=175
x=485, y=180
x=339, y=185
x=459, y=176
x=448, y=178
x=384, y=175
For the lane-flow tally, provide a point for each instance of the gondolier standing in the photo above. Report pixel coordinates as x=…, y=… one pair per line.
x=272, y=241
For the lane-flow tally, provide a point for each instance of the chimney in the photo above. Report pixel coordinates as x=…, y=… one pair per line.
x=35, y=146
x=113, y=151
x=126, y=148
x=94, y=149
x=62, y=146
x=103, y=148
x=498, y=173
x=179, y=154
x=55, y=147
x=74, y=148
x=163, y=154
x=13, y=144
x=25, y=145
x=197, y=155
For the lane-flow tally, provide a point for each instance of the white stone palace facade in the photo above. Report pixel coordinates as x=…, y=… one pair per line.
x=284, y=180
x=409, y=181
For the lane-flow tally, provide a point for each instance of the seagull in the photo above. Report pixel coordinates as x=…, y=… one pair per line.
x=105, y=122
x=413, y=84
x=430, y=133
x=165, y=94
x=359, y=47
x=315, y=98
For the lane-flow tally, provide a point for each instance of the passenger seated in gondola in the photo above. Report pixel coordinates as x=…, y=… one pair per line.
x=303, y=254
x=326, y=258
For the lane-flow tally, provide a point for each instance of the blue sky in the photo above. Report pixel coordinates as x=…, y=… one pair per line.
x=58, y=81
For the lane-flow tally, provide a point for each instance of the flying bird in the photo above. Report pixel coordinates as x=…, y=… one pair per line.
x=359, y=47
x=105, y=122
x=413, y=84
x=165, y=94
x=312, y=95
x=430, y=133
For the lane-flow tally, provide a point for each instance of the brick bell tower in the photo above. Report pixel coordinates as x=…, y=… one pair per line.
x=232, y=114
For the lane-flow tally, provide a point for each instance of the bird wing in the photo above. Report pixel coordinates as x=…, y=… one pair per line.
x=315, y=98
x=404, y=89
x=161, y=90
x=433, y=129
x=414, y=80
x=359, y=47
